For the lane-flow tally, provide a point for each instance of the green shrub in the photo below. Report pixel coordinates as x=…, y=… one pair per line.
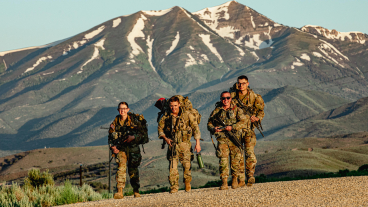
x=36, y=178
x=363, y=168
x=46, y=195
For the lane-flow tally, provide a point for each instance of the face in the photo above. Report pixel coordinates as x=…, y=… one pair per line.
x=242, y=84
x=174, y=106
x=226, y=99
x=123, y=109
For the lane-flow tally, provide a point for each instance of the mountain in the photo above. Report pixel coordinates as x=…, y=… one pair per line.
x=344, y=120
x=61, y=93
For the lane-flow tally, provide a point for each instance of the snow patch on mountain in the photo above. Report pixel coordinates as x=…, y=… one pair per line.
x=196, y=21
x=204, y=57
x=305, y=56
x=206, y=40
x=66, y=51
x=251, y=19
x=296, y=63
x=360, y=72
x=215, y=12
x=94, y=33
x=39, y=61
x=116, y=22
x=96, y=52
x=48, y=73
x=241, y=52
x=174, y=44
x=136, y=32
x=327, y=45
x=326, y=48
x=255, y=55
x=190, y=47
x=228, y=31
x=255, y=42
x=212, y=16
x=150, y=46
x=100, y=43
x=5, y=64
x=190, y=61
x=157, y=13
x=85, y=39
x=333, y=34
x=317, y=54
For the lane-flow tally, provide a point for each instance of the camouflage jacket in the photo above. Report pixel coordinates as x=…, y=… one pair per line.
x=138, y=131
x=251, y=99
x=184, y=126
x=232, y=116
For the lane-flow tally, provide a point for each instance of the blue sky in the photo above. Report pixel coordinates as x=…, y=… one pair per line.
x=26, y=23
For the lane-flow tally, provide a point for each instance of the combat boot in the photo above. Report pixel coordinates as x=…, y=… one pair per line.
x=187, y=186
x=173, y=190
x=241, y=184
x=136, y=193
x=119, y=194
x=251, y=180
x=234, y=184
x=224, y=184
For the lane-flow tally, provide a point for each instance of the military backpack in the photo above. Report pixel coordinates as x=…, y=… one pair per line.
x=185, y=105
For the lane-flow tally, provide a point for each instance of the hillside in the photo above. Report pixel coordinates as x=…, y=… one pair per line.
x=58, y=95
x=346, y=119
x=279, y=158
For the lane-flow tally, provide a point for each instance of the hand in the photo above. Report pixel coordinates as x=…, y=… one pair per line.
x=197, y=147
x=228, y=128
x=217, y=129
x=254, y=119
x=114, y=150
x=112, y=126
x=130, y=138
x=168, y=141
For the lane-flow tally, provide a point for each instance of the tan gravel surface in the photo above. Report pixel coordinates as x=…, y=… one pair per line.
x=347, y=191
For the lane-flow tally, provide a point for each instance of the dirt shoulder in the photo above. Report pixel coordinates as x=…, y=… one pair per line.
x=346, y=191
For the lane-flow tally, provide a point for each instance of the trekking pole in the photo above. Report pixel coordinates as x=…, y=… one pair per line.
x=80, y=175
x=110, y=190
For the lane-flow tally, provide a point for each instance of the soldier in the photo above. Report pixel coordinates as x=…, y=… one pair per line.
x=234, y=121
x=127, y=152
x=177, y=128
x=244, y=96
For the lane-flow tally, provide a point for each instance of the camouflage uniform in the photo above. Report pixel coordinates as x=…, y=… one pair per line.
x=232, y=117
x=129, y=153
x=254, y=100
x=184, y=126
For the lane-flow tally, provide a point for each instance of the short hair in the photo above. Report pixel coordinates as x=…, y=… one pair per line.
x=174, y=99
x=224, y=92
x=123, y=103
x=242, y=77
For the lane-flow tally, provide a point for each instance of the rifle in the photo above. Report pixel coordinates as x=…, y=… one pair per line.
x=250, y=111
x=120, y=135
x=230, y=134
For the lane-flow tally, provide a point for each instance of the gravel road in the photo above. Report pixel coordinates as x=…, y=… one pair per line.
x=347, y=191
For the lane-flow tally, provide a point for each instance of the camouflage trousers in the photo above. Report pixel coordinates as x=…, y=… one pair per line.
x=181, y=152
x=131, y=157
x=250, y=157
x=225, y=147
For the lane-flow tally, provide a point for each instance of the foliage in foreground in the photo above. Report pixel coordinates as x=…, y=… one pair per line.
x=39, y=190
